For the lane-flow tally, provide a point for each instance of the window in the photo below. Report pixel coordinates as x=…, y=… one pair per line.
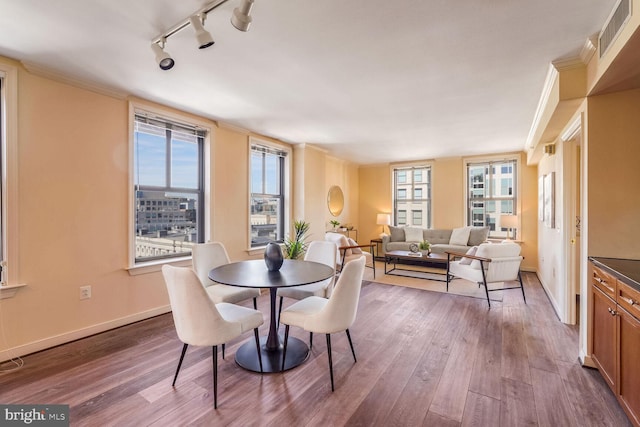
x=169, y=187
x=402, y=218
x=417, y=217
x=413, y=182
x=268, y=190
x=491, y=192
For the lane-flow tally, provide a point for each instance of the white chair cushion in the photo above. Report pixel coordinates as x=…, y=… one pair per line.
x=471, y=251
x=414, y=234
x=353, y=243
x=499, y=250
x=247, y=317
x=297, y=313
x=231, y=294
x=459, y=236
x=301, y=292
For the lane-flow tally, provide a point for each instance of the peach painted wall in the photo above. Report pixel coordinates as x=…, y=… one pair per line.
x=613, y=175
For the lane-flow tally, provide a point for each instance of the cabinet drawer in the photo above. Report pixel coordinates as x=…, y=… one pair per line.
x=605, y=282
x=629, y=299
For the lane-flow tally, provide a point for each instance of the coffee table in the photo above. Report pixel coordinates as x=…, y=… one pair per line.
x=436, y=261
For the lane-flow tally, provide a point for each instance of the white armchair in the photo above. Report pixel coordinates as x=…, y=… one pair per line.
x=349, y=250
x=491, y=263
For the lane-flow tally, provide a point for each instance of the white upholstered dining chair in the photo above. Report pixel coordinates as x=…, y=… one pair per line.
x=328, y=316
x=205, y=257
x=200, y=322
x=321, y=251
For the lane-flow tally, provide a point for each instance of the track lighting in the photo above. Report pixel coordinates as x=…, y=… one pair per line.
x=204, y=37
x=241, y=18
x=164, y=60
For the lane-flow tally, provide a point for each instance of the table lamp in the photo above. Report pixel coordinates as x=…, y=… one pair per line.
x=509, y=222
x=383, y=219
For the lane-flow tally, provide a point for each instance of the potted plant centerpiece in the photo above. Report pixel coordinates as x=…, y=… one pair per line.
x=335, y=224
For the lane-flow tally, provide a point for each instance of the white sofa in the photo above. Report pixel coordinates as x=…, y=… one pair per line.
x=441, y=240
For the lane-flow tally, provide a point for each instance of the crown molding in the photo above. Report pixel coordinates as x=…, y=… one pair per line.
x=552, y=75
x=566, y=64
x=51, y=74
x=589, y=48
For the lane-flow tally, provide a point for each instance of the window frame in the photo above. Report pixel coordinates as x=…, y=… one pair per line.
x=408, y=170
x=285, y=186
x=204, y=217
x=493, y=162
x=9, y=218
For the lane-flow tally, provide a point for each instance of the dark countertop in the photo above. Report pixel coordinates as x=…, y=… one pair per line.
x=627, y=270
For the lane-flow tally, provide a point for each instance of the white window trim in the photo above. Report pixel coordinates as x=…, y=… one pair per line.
x=156, y=265
x=494, y=158
x=287, y=187
x=9, y=214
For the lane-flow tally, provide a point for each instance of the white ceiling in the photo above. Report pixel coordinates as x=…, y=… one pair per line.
x=370, y=81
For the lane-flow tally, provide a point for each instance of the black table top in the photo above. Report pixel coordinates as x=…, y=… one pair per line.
x=254, y=274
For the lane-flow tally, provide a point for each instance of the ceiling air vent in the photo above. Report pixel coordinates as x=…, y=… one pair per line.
x=611, y=30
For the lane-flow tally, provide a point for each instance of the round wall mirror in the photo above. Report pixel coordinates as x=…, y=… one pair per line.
x=335, y=200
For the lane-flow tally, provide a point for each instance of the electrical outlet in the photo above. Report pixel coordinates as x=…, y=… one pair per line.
x=85, y=292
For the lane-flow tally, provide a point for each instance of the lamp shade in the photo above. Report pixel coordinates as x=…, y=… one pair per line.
x=383, y=219
x=509, y=221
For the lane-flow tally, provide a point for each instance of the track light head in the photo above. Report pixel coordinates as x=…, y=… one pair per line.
x=164, y=60
x=241, y=18
x=204, y=37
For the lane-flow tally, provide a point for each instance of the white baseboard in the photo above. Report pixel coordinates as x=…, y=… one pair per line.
x=49, y=342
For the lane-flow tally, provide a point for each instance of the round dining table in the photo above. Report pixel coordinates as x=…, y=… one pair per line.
x=254, y=274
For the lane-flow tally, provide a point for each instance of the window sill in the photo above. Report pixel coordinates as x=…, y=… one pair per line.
x=155, y=266
x=9, y=291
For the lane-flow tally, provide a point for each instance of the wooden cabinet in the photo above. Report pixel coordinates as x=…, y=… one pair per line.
x=616, y=338
x=604, y=336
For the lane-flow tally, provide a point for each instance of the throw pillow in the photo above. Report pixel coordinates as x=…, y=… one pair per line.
x=471, y=251
x=460, y=236
x=413, y=234
x=353, y=243
x=478, y=235
x=397, y=234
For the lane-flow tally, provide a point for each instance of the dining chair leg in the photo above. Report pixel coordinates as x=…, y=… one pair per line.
x=351, y=344
x=222, y=351
x=279, y=311
x=284, y=346
x=310, y=340
x=215, y=377
x=184, y=350
x=522, y=287
x=330, y=360
x=255, y=332
x=255, y=303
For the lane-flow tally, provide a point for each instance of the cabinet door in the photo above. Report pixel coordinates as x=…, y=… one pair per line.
x=604, y=336
x=630, y=365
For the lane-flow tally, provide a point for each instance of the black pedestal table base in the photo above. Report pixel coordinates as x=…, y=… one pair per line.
x=247, y=356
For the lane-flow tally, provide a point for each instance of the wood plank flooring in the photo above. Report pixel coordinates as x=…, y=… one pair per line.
x=424, y=358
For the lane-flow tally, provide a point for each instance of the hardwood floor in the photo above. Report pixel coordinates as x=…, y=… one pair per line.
x=424, y=358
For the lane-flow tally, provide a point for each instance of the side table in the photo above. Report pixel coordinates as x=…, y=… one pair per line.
x=378, y=249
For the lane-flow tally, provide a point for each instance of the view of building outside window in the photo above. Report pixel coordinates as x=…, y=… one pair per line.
x=267, y=195
x=168, y=169
x=412, y=193
x=491, y=193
